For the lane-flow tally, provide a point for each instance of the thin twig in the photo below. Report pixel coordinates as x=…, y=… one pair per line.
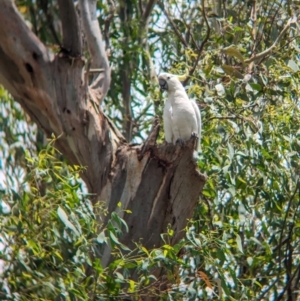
x=260, y=297
x=270, y=49
x=96, y=70
x=167, y=14
x=288, y=284
x=107, y=22
x=288, y=41
x=200, y=49
x=284, y=222
x=221, y=117
x=254, y=19
x=295, y=283
x=274, y=15
x=188, y=26
x=232, y=118
x=157, y=282
x=192, y=37
x=280, y=245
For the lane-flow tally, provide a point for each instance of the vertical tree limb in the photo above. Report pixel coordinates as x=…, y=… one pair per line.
x=70, y=27
x=147, y=11
x=88, y=12
x=128, y=64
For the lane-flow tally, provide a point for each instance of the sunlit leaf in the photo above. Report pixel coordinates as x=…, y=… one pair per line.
x=64, y=218
x=239, y=243
x=233, y=51
x=250, y=261
x=232, y=71
x=292, y=64
x=101, y=238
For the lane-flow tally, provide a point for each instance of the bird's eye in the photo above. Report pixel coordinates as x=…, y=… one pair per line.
x=168, y=77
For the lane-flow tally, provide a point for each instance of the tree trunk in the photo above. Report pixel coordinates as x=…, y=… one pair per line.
x=160, y=184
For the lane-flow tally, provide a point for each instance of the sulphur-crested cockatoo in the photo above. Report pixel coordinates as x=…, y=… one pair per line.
x=182, y=118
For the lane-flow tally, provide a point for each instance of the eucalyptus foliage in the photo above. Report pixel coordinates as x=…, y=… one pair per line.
x=51, y=242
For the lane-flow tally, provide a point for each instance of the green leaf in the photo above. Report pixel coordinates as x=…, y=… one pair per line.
x=64, y=218
x=230, y=151
x=233, y=51
x=292, y=64
x=220, y=89
x=232, y=71
x=239, y=243
x=101, y=238
x=120, y=277
x=131, y=286
x=145, y=250
x=224, y=286
x=256, y=87
x=113, y=238
x=256, y=241
x=250, y=261
x=123, y=247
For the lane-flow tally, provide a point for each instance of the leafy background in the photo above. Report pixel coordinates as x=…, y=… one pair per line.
x=243, y=242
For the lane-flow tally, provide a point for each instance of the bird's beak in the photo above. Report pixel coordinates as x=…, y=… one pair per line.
x=163, y=84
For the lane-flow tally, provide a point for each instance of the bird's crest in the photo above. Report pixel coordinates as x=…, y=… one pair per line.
x=183, y=77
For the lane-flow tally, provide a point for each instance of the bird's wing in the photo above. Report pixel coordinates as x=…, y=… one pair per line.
x=167, y=117
x=198, y=117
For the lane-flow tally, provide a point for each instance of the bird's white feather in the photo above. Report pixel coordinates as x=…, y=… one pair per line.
x=181, y=115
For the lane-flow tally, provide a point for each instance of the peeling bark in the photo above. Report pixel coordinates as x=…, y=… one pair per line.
x=160, y=184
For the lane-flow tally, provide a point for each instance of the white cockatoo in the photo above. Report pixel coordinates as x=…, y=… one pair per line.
x=182, y=118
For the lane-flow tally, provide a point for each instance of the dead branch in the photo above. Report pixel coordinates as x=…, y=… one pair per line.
x=70, y=27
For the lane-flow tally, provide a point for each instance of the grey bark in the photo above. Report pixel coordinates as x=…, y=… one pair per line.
x=70, y=27
x=160, y=184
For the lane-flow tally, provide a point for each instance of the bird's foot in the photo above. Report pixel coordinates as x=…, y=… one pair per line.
x=195, y=140
x=180, y=142
x=194, y=135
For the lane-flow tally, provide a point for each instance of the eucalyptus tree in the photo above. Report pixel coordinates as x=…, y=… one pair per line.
x=85, y=72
